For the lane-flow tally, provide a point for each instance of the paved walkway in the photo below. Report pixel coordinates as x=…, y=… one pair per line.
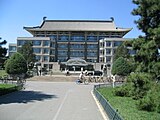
x=50, y=101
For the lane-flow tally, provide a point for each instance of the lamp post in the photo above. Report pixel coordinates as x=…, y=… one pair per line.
x=95, y=65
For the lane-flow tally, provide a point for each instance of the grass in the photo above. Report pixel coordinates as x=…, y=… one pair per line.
x=7, y=88
x=127, y=106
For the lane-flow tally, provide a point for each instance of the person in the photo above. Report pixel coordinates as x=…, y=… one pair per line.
x=67, y=72
x=80, y=78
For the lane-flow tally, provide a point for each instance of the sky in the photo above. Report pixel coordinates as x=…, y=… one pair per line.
x=15, y=14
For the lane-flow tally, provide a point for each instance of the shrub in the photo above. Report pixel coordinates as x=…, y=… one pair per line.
x=158, y=108
x=148, y=103
x=121, y=67
x=124, y=90
x=141, y=84
x=16, y=64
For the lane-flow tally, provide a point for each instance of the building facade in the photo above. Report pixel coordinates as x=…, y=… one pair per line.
x=61, y=40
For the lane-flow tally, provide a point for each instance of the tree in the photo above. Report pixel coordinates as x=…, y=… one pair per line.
x=121, y=67
x=27, y=51
x=121, y=51
x=3, y=52
x=147, y=46
x=16, y=64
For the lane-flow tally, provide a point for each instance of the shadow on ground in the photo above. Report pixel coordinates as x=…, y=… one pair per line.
x=25, y=97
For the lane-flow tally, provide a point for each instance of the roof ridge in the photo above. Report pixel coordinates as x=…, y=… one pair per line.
x=78, y=21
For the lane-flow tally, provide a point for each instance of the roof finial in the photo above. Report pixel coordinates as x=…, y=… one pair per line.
x=44, y=18
x=112, y=18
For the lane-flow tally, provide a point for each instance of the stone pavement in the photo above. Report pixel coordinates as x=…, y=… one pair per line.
x=43, y=100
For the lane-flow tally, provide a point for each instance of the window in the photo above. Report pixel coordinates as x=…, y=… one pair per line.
x=38, y=58
x=45, y=51
x=108, y=43
x=36, y=43
x=63, y=38
x=91, y=53
x=77, y=53
x=63, y=46
x=108, y=51
x=77, y=38
x=102, y=44
x=52, y=52
x=101, y=52
x=12, y=48
x=92, y=46
x=77, y=46
x=36, y=50
x=92, y=38
x=117, y=43
x=52, y=59
x=52, y=45
x=45, y=58
x=46, y=43
x=102, y=37
x=101, y=59
x=20, y=42
x=62, y=59
x=62, y=53
x=53, y=37
x=108, y=59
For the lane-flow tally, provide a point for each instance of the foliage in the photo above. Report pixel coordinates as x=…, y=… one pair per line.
x=121, y=51
x=147, y=47
x=16, y=64
x=124, y=90
x=3, y=73
x=141, y=84
x=3, y=52
x=27, y=51
x=150, y=102
x=143, y=88
x=127, y=107
x=121, y=67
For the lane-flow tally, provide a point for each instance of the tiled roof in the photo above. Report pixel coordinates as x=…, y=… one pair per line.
x=76, y=25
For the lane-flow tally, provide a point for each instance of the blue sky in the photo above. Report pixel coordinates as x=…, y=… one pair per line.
x=15, y=14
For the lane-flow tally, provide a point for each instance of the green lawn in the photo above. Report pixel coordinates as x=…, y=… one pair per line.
x=7, y=88
x=127, y=106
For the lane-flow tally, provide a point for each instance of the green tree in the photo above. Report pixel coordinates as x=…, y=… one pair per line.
x=16, y=64
x=121, y=51
x=121, y=67
x=3, y=52
x=147, y=46
x=27, y=51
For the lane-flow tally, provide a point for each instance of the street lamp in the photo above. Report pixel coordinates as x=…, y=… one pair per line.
x=95, y=64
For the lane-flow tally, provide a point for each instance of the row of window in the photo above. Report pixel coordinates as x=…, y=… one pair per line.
x=34, y=42
x=42, y=58
x=107, y=51
x=45, y=58
x=110, y=43
x=89, y=33
x=48, y=43
x=39, y=50
x=77, y=46
x=77, y=53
